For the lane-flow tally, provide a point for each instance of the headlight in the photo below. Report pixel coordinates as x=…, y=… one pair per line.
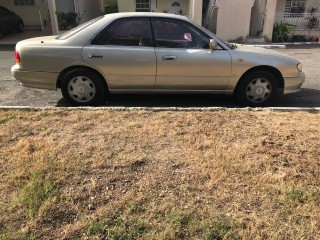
x=299, y=66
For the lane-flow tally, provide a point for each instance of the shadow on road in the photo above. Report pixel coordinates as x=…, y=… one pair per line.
x=305, y=98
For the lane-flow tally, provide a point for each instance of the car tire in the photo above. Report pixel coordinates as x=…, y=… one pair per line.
x=257, y=89
x=20, y=27
x=82, y=87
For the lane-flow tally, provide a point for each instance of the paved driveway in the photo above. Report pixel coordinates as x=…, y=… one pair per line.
x=12, y=94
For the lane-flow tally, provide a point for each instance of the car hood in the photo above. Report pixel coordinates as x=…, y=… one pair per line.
x=259, y=50
x=261, y=56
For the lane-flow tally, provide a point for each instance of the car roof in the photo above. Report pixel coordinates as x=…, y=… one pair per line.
x=144, y=14
x=4, y=8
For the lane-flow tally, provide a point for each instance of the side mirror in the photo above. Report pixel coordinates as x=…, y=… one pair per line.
x=213, y=44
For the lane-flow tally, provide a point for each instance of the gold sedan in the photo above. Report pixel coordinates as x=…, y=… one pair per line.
x=152, y=53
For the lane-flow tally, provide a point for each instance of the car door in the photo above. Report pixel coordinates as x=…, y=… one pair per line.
x=184, y=60
x=124, y=53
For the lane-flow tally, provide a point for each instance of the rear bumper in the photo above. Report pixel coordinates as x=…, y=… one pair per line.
x=42, y=80
x=293, y=84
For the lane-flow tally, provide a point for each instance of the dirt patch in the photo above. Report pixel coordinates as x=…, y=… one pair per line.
x=159, y=175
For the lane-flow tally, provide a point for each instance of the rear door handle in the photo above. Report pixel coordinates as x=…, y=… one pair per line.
x=95, y=55
x=169, y=58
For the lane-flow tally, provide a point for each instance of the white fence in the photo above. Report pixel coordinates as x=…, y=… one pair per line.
x=299, y=20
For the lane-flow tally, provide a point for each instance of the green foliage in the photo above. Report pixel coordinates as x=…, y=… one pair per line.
x=19, y=235
x=312, y=19
x=117, y=228
x=67, y=21
x=299, y=38
x=222, y=227
x=96, y=228
x=36, y=192
x=281, y=32
x=111, y=7
x=303, y=38
x=300, y=196
x=180, y=220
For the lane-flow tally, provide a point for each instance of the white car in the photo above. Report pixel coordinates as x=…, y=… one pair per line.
x=152, y=53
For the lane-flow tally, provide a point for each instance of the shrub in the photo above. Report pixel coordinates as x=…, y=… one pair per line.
x=68, y=20
x=281, y=32
x=111, y=7
x=312, y=19
x=299, y=38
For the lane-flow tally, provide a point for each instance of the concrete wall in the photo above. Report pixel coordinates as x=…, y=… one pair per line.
x=233, y=19
x=29, y=14
x=192, y=8
x=196, y=11
x=269, y=19
x=90, y=9
x=257, y=17
x=87, y=9
x=280, y=6
x=262, y=18
x=313, y=3
x=127, y=5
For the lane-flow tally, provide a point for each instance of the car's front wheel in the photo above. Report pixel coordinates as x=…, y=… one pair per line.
x=257, y=89
x=82, y=87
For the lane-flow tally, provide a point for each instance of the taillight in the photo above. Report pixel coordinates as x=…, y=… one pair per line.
x=17, y=56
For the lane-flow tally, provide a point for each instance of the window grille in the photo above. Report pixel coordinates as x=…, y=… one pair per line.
x=143, y=5
x=295, y=6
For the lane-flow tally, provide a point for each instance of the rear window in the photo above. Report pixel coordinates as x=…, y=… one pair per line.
x=77, y=29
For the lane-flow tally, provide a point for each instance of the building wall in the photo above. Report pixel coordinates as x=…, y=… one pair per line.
x=280, y=6
x=196, y=11
x=232, y=22
x=192, y=8
x=126, y=5
x=257, y=17
x=269, y=19
x=310, y=3
x=90, y=9
x=29, y=14
x=313, y=3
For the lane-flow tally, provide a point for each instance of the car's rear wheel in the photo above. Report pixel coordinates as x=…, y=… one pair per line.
x=82, y=87
x=257, y=89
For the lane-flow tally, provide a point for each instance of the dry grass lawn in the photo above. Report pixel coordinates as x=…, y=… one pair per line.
x=103, y=174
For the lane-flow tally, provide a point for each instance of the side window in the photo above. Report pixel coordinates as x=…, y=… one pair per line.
x=178, y=34
x=126, y=32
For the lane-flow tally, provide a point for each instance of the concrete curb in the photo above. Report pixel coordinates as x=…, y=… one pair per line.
x=300, y=43
x=272, y=46
x=284, y=45
x=161, y=109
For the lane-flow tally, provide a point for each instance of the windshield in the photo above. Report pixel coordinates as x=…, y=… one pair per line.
x=73, y=31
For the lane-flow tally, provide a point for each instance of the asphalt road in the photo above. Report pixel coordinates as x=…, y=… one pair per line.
x=12, y=94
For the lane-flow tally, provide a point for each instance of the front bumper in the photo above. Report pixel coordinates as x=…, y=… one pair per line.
x=293, y=84
x=42, y=80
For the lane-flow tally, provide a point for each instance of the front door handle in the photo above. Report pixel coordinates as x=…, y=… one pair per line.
x=95, y=55
x=169, y=58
